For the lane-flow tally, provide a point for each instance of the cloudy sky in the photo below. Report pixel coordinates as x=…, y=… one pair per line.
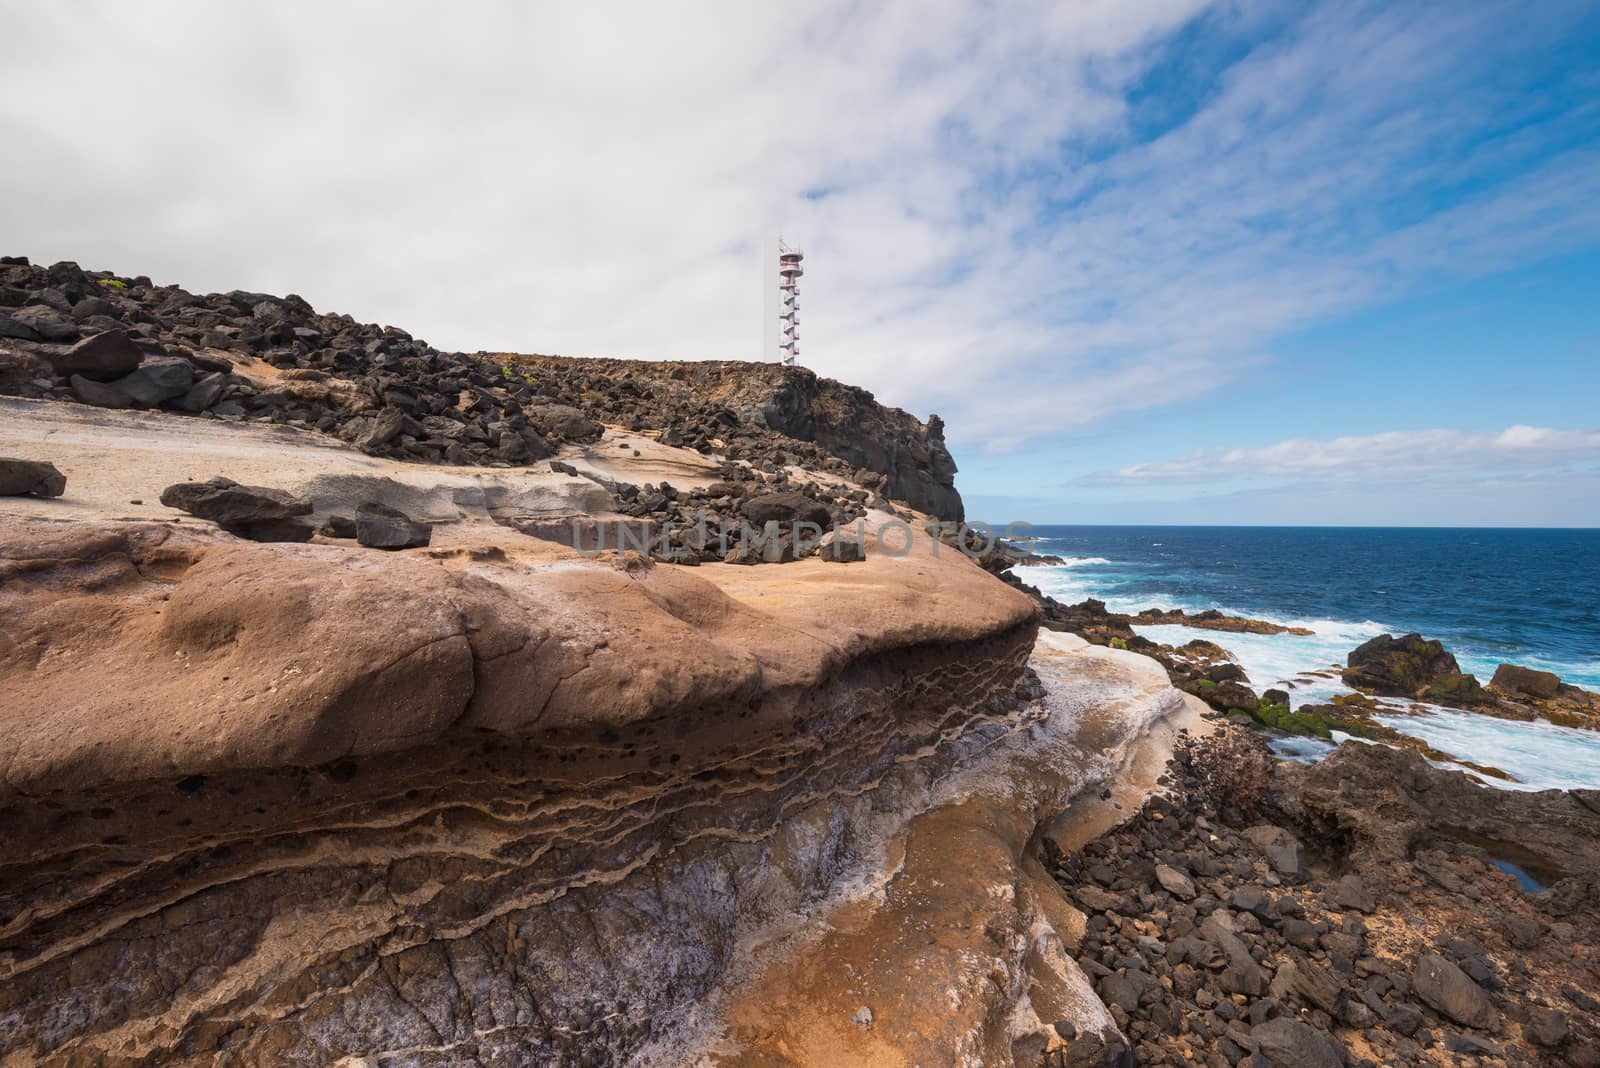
x=1172, y=261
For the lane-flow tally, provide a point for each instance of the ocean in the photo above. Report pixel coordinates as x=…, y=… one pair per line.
x=1528, y=597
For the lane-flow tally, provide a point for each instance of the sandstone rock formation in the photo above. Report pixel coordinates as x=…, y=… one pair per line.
x=491, y=800
x=513, y=792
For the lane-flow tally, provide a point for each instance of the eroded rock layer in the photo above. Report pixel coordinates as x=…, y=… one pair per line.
x=487, y=802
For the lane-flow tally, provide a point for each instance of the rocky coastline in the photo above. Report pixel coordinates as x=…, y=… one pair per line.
x=345, y=725
x=1352, y=912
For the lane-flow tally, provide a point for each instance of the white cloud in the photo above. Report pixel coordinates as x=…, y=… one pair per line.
x=1401, y=455
x=990, y=232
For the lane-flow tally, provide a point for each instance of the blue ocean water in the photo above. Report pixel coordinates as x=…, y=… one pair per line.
x=1528, y=597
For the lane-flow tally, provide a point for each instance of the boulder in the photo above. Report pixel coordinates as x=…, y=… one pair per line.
x=1460, y=689
x=161, y=378
x=1450, y=992
x=10, y=327
x=100, y=358
x=388, y=425
x=1400, y=667
x=338, y=526
x=20, y=369
x=1509, y=678
x=1281, y=848
x=204, y=393
x=1350, y=892
x=565, y=422
x=30, y=478
x=1291, y=1044
x=99, y=394
x=90, y=307
x=842, y=550
x=1175, y=882
x=48, y=323
x=380, y=527
x=1231, y=695
x=256, y=512
x=784, y=507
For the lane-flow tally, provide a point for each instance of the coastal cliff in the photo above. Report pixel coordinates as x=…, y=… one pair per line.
x=277, y=794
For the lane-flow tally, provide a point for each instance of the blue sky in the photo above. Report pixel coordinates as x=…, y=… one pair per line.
x=1395, y=388
x=1155, y=261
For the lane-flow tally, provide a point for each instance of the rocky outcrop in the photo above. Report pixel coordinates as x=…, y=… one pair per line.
x=492, y=801
x=1212, y=619
x=380, y=527
x=774, y=414
x=1424, y=670
x=255, y=512
x=1399, y=667
x=243, y=356
x=1521, y=693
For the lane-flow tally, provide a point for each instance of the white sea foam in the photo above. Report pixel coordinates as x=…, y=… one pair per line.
x=1271, y=660
x=1540, y=754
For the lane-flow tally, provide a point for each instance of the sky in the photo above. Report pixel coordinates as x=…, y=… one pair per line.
x=1167, y=262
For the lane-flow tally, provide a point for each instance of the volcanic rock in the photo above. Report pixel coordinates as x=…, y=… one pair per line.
x=47, y=323
x=30, y=478
x=380, y=527
x=1510, y=678
x=10, y=327
x=1292, y=1044
x=100, y=358
x=161, y=378
x=1281, y=848
x=564, y=422
x=1451, y=992
x=1401, y=667
x=100, y=394
x=255, y=512
x=786, y=507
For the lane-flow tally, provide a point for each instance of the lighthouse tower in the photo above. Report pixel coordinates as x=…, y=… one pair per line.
x=789, y=272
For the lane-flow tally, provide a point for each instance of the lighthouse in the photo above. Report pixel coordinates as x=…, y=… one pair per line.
x=789, y=272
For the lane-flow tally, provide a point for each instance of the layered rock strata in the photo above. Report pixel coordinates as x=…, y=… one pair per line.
x=489, y=801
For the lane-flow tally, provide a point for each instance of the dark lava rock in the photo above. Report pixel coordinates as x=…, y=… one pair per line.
x=1547, y=1027
x=1351, y=893
x=1281, y=848
x=843, y=551
x=30, y=478
x=48, y=323
x=1292, y=1044
x=161, y=378
x=204, y=393
x=1520, y=680
x=338, y=526
x=101, y=358
x=380, y=527
x=1451, y=992
x=233, y=507
x=10, y=327
x=787, y=507
x=565, y=422
x=1401, y=667
x=295, y=530
x=99, y=394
